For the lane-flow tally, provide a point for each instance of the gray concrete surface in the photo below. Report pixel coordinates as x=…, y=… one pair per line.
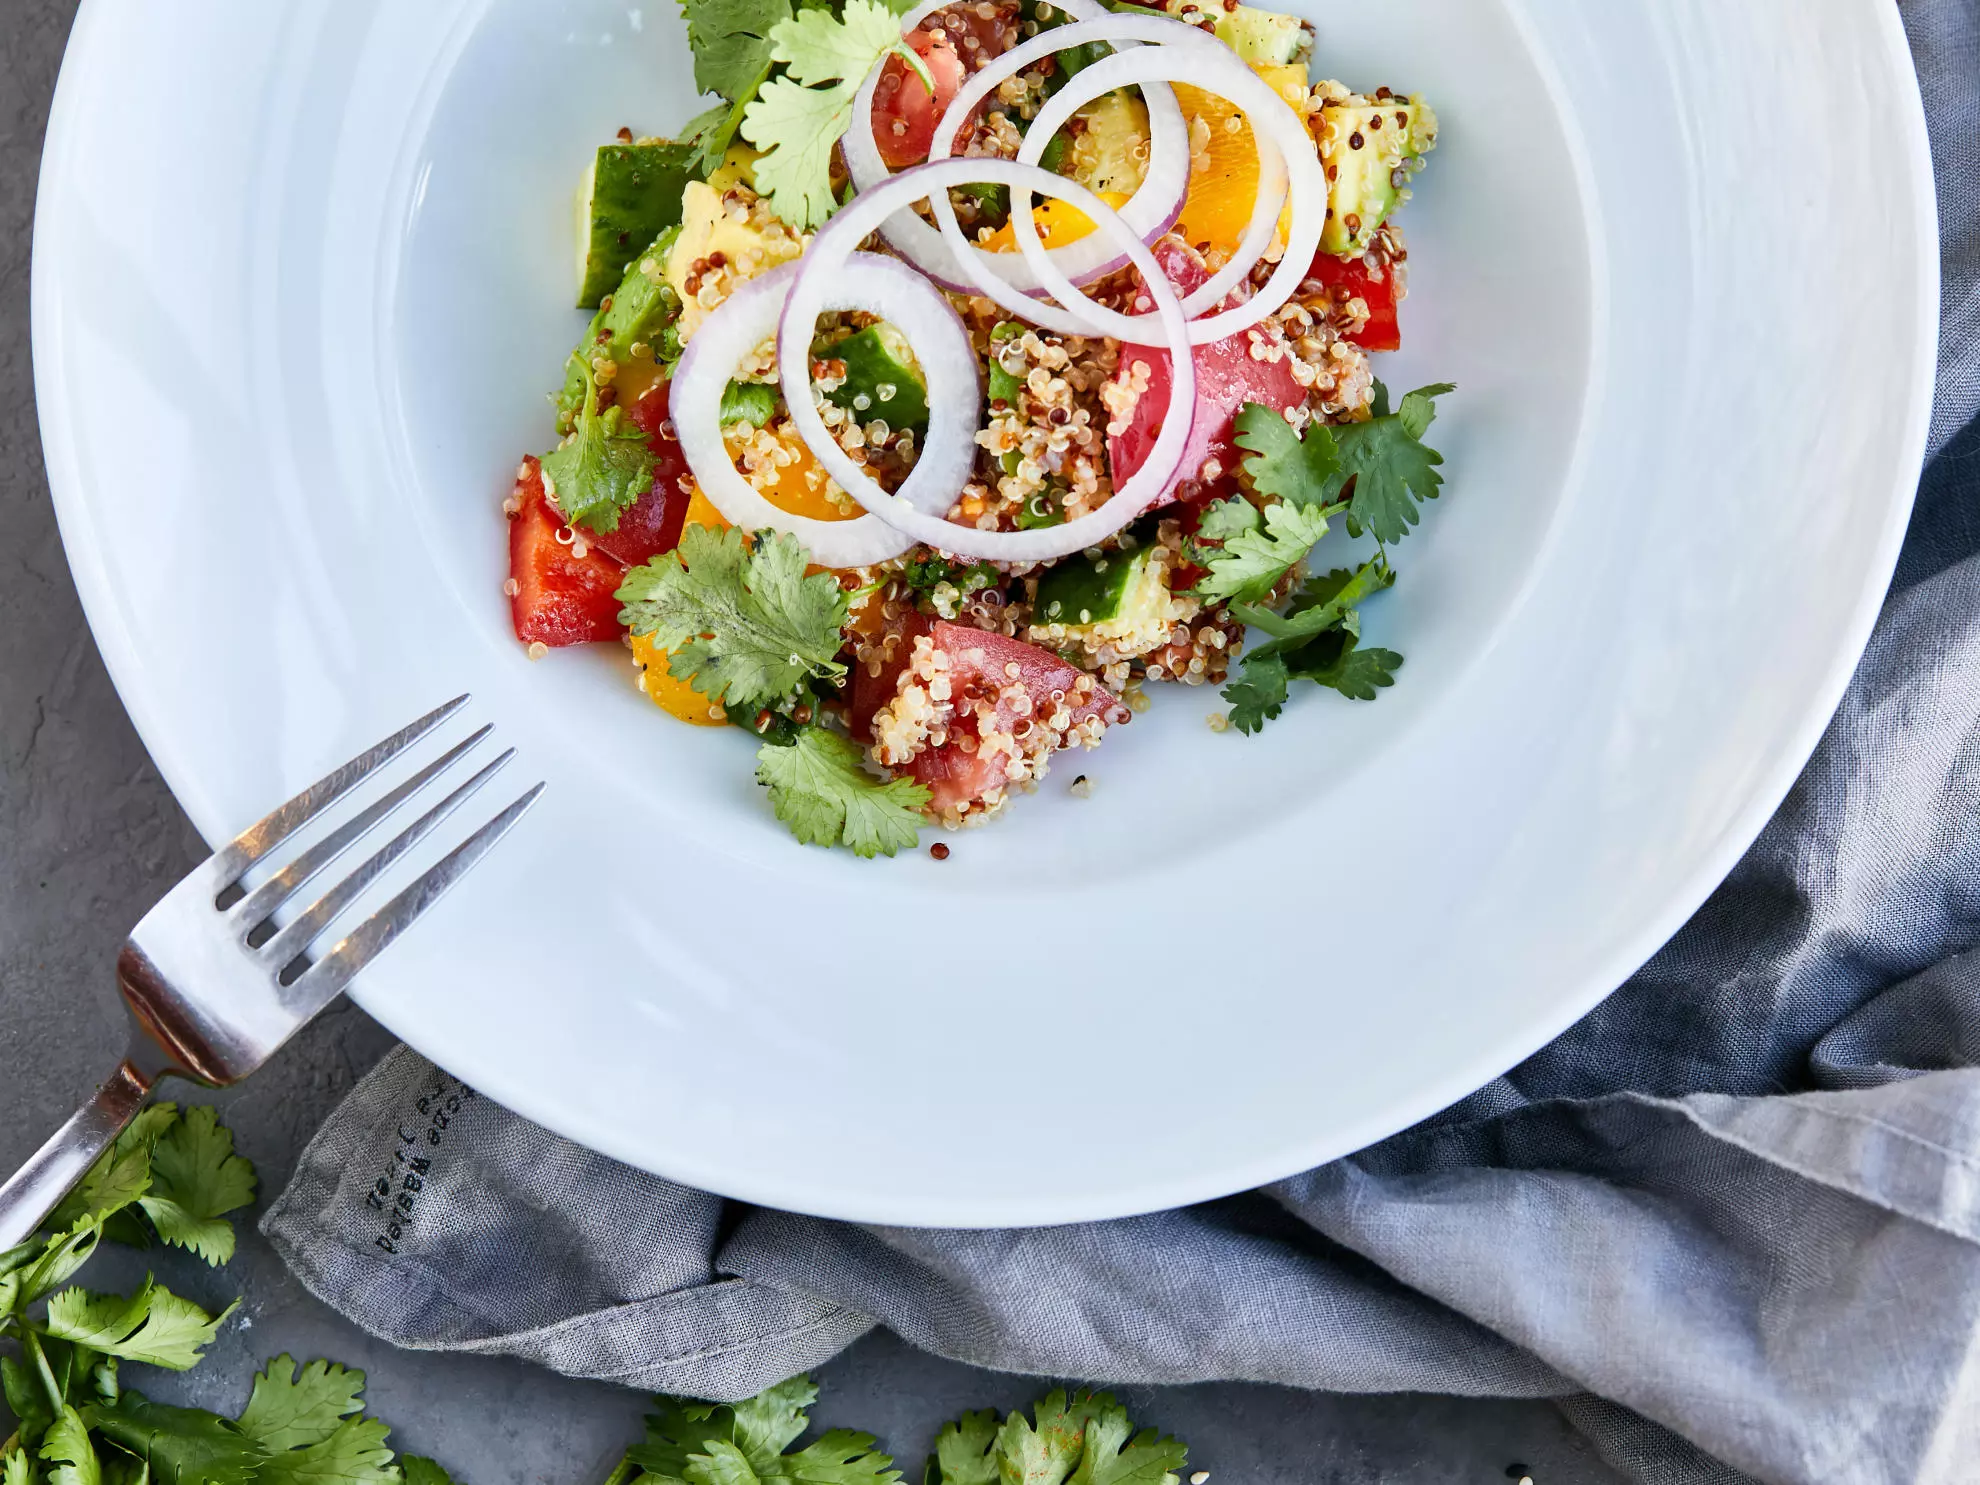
x=89, y=837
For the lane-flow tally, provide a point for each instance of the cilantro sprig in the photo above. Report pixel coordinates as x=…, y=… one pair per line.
x=602, y=469
x=171, y=1177
x=1373, y=475
x=1080, y=1436
x=797, y=118
x=740, y=620
x=819, y=786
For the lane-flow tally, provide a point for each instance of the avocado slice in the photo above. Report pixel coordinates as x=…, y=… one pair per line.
x=1261, y=37
x=1087, y=591
x=631, y=194
x=1370, y=148
x=641, y=311
x=881, y=379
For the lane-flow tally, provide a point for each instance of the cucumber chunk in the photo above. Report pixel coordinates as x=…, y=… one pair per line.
x=881, y=379
x=631, y=194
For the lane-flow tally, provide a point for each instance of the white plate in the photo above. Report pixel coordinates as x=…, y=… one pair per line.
x=300, y=283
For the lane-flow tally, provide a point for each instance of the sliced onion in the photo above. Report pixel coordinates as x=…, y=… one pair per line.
x=749, y=317
x=1151, y=211
x=1287, y=160
x=822, y=283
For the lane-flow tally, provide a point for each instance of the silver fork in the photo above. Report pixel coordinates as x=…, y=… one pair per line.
x=212, y=984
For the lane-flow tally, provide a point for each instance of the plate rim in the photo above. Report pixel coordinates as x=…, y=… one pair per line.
x=60, y=425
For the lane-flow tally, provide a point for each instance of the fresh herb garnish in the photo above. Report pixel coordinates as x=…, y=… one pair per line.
x=731, y=43
x=741, y=622
x=170, y=1177
x=820, y=787
x=797, y=118
x=1258, y=547
x=924, y=575
x=1080, y=1436
x=602, y=469
x=754, y=403
x=1374, y=474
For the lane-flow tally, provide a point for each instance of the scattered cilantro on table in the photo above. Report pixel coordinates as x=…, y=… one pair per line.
x=1373, y=474
x=797, y=118
x=75, y=1422
x=171, y=1177
x=739, y=618
x=1077, y=1438
x=601, y=470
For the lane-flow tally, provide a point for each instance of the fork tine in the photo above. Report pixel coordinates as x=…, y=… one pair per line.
x=271, y=894
x=296, y=937
x=330, y=974
x=264, y=835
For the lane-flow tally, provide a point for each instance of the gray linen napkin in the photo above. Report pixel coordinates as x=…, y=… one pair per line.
x=1731, y=1220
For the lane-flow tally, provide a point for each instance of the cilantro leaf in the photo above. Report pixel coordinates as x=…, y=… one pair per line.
x=120, y=1175
x=602, y=469
x=1324, y=603
x=708, y=134
x=745, y=626
x=1047, y=1453
x=27, y=1400
x=797, y=119
x=840, y=1457
x=796, y=128
x=1255, y=557
x=154, y=1325
x=66, y=1446
x=1114, y=1454
x=819, y=787
x=290, y=1409
x=765, y=1425
x=196, y=1178
x=965, y=1452
x=1258, y=692
x=731, y=43
x=1296, y=468
x=680, y=1430
x=179, y=1446
x=353, y=1454
x=817, y=48
x=419, y=1470
x=63, y=1256
x=16, y=1468
x=1391, y=467
x=1338, y=662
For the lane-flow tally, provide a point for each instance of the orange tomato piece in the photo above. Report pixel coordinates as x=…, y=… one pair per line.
x=671, y=694
x=1058, y=223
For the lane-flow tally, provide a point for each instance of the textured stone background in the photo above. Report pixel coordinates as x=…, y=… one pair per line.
x=89, y=838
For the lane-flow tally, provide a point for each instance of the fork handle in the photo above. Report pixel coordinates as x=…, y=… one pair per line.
x=52, y=1171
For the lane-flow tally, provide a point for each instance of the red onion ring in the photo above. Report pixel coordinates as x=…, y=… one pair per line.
x=1293, y=162
x=817, y=284
x=750, y=316
x=1152, y=211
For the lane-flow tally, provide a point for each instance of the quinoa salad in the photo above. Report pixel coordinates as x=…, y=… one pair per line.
x=964, y=376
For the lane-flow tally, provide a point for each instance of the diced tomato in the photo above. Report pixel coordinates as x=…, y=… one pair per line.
x=952, y=775
x=560, y=598
x=1227, y=377
x=1349, y=278
x=653, y=525
x=904, y=113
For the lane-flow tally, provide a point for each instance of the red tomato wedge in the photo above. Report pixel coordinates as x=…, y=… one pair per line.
x=1227, y=377
x=1350, y=278
x=952, y=44
x=979, y=667
x=653, y=525
x=560, y=598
